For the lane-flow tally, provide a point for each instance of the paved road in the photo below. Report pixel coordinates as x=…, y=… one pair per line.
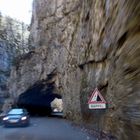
x=45, y=129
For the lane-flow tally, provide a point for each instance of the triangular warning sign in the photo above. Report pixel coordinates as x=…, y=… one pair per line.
x=96, y=97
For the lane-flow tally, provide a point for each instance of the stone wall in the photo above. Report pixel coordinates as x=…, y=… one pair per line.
x=87, y=44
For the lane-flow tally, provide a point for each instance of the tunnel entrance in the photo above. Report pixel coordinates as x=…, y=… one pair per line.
x=37, y=99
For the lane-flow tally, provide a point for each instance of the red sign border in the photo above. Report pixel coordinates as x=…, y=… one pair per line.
x=99, y=94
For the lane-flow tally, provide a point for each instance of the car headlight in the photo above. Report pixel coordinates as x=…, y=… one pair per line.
x=5, y=118
x=24, y=118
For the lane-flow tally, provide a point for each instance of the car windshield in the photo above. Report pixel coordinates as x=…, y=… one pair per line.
x=15, y=111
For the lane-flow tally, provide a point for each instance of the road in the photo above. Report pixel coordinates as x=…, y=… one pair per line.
x=45, y=128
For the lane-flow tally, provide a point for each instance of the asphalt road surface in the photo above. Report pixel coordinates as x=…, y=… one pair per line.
x=43, y=128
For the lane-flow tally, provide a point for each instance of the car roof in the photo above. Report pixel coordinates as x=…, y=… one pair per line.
x=15, y=111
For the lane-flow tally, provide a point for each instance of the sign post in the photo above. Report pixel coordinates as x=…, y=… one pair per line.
x=96, y=100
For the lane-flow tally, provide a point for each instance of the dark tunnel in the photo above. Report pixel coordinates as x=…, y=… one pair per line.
x=37, y=100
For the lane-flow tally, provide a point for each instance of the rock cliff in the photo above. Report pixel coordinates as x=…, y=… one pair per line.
x=13, y=42
x=83, y=44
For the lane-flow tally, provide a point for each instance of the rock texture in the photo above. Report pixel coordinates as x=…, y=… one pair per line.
x=13, y=42
x=57, y=105
x=83, y=44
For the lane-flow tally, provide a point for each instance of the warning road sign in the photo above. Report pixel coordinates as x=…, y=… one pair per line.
x=96, y=100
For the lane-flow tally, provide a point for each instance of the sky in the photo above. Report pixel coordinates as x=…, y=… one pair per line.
x=17, y=9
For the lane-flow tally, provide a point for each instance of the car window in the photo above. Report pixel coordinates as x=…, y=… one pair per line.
x=15, y=111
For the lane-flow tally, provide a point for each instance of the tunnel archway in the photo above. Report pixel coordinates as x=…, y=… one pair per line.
x=37, y=99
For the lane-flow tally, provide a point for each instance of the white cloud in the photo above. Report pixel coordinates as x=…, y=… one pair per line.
x=18, y=9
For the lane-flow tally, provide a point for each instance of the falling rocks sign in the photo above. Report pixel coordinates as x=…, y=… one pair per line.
x=96, y=100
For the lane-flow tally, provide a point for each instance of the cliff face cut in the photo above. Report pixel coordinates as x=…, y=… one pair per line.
x=13, y=42
x=83, y=44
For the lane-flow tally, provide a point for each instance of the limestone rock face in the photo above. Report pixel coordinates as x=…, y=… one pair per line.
x=57, y=104
x=81, y=45
x=13, y=42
